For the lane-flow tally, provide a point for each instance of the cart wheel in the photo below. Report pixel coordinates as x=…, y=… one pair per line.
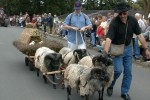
x=45, y=79
x=31, y=66
x=26, y=61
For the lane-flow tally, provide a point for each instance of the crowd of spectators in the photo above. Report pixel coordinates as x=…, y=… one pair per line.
x=100, y=23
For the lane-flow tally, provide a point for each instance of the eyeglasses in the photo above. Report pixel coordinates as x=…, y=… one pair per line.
x=122, y=13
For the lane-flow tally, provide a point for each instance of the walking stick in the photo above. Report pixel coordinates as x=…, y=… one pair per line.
x=76, y=40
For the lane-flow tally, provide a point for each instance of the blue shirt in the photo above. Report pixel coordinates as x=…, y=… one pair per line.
x=77, y=20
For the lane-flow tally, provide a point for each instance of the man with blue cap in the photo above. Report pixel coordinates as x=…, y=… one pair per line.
x=76, y=23
x=121, y=31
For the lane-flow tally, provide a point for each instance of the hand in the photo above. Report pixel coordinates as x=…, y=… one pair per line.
x=75, y=28
x=83, y=29
x=147, y=53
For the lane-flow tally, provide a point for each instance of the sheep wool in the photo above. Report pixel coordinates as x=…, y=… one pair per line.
x=72, y=74
x=87, y=60
x=39, y=58
x=69, y=58
x=110, y=73
x=64, y=51
x=88, y=86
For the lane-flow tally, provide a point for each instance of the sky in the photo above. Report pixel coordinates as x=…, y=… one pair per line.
x=134, y=0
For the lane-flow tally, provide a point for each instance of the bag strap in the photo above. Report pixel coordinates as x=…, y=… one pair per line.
x=72, y=15
x=126, y=33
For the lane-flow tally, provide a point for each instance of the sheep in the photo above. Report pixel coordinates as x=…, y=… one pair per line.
x=85, y=79
x=96, y=60
x=39, y=52
x=47, y=60
x=72, y=56
x=64, y=51
x=78, y=77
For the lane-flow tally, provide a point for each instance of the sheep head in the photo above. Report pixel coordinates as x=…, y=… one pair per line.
x=53, y=61
x=79, y=54
x=99, y=74
x=101, y=60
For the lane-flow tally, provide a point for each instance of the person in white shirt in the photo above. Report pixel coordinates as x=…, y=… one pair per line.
x=136, y=46
x=56, y=22
x=39, y=20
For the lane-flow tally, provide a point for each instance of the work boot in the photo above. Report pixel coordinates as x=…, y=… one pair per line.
x=126, y=96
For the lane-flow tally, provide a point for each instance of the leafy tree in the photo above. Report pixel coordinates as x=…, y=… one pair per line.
x=145, y=4
x=65, y=6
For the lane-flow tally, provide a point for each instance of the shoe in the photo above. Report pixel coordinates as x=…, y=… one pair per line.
x=126, y=96
x=137, y=58
x=92, y=45
x=110, y=91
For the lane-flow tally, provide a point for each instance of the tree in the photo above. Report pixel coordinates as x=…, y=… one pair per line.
x=145, y=4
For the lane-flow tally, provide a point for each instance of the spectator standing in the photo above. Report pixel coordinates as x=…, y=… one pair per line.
x=21, y=21
x=28, y=20
x=136, y=45
x=76, y=22
x=17, y=20
x=93, y=33
x=63, y=32
x=50, y=23
x=11, y=20
x=45, y=20
x=39, y=20
x=121, y=31
x=34, y=19
x=56, y=22
x=98, y=22
x=147, y=30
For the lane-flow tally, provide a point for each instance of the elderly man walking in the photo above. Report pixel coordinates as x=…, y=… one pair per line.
x=121, y=31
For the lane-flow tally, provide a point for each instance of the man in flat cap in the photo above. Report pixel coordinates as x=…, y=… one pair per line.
x=121, y=31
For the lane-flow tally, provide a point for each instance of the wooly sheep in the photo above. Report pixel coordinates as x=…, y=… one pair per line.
x=47, y=60
x=96, y=60
x=64, y=51
x=85, y=79
x=41, y=52
x=72, y=56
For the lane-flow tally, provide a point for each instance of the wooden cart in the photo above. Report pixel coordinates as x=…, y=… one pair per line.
x=23, y=45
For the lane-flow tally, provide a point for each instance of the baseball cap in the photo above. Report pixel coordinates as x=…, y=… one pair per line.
x=77, y=5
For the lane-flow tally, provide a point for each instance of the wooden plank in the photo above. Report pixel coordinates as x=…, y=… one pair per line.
x=53, y=72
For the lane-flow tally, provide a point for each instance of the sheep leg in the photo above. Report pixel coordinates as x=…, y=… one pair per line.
x=86, y=97
x=54, y=86
x=45, y=79
x=102, y=93
x=37, y=72
x=68, y=92
x=77, y=88
x=99, y=95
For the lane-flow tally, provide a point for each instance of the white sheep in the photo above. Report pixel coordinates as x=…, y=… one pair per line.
x=64, y=51
x=72, y=56
x=96, y=60
x=47, y=60
x=87, y=60
x=39, y=57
